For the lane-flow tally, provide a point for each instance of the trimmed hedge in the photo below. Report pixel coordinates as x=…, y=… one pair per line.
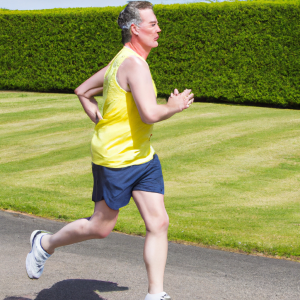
x=55, y=50
x=236, y=52
x=242, y=52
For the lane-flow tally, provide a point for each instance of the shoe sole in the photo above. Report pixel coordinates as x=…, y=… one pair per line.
x=29, y=275
x=32, y=237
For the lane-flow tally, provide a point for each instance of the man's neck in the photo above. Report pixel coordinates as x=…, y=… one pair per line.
x=136, y=47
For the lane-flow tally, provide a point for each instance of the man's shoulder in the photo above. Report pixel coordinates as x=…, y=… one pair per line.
x=134, y=62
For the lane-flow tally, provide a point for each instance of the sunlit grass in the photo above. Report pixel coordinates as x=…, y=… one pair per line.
x=231, y=172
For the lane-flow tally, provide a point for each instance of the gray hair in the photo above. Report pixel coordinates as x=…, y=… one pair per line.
x=131, y=15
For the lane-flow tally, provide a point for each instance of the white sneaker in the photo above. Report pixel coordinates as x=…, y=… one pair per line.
x=37, y=257
x=159, y=296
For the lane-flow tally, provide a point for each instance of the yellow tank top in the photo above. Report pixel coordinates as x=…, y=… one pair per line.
x=121, y=138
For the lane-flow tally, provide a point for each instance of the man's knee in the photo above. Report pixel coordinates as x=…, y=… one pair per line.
x=103, y=221
x=158, y=224
x=101, y=230
x=101, y=234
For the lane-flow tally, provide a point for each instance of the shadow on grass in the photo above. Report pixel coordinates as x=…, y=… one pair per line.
x=76, y=289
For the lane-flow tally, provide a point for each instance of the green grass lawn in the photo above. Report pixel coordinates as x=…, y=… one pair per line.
x=231, y=173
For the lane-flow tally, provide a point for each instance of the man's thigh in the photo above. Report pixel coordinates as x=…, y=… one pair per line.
x=151, y=206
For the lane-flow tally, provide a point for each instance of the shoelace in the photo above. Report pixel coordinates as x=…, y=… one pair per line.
x=163, y=297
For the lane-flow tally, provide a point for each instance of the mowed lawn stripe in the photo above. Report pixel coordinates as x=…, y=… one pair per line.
x=46, y=138
x=231, y=172
x=40, y=143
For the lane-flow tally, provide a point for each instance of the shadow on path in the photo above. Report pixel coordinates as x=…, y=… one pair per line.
x=16, y=298
x=76, y=289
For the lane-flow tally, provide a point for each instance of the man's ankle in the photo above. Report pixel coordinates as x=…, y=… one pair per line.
x=45, y=244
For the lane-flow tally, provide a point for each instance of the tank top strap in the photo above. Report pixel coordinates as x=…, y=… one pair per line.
x=111, y=72
x=122, y=55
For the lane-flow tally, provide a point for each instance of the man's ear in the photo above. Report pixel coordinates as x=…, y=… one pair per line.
x=134, y=29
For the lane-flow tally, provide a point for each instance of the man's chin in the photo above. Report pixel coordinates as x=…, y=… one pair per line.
x=155, y=44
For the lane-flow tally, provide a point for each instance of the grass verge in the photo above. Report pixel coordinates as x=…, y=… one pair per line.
x=231, y=172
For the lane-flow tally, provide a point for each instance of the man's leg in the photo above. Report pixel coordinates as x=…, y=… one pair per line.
x=152, y=210
x=43, y=245
x=98, y=226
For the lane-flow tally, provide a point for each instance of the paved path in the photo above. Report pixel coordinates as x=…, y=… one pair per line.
x=113, y=269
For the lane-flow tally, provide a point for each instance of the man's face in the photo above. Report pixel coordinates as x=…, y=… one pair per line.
x=148, y=28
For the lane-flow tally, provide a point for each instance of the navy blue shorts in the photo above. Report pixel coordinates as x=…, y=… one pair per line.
x=115, y=185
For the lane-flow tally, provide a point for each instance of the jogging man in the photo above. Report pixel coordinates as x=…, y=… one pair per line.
x=123, y=162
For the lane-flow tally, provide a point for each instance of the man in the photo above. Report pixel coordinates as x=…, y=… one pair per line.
x=124, y=163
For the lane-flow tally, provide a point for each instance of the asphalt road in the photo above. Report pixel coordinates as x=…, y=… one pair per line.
x=113, y=269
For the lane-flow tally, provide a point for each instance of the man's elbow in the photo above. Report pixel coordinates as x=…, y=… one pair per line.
x=77, y=91
x=149, y=119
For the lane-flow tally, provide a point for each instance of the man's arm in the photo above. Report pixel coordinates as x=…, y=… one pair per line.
x=140, y=82
x=86, y=92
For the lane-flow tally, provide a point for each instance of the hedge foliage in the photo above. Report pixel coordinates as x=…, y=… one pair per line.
x=242, y=52
x=237, y=52
x=55, y=50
